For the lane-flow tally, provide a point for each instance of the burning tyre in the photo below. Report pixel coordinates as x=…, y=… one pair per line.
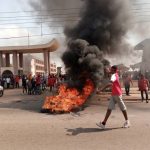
x=68, y=99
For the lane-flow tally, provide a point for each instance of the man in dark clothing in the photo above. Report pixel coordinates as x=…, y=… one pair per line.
x=24, y=83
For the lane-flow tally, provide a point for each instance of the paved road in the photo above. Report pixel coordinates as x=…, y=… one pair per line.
x=22, y=127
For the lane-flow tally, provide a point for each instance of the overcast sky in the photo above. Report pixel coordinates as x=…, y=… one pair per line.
x=19, y=6
x=14, y=12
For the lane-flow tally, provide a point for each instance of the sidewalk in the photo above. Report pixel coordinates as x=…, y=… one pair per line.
x=134, y=95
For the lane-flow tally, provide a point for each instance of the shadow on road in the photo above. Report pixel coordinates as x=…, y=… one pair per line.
x=30, y=105
x=76, y=131
x=15, y=99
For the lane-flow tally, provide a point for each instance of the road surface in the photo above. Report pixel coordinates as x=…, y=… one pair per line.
x=23, y=127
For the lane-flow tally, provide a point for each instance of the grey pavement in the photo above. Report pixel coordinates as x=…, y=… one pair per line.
x=23, y=127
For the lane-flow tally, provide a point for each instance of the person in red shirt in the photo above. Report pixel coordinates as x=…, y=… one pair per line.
x=116, y=97
x=143, y=85
x=17, y=81
x=38, y=80
x=51, y=82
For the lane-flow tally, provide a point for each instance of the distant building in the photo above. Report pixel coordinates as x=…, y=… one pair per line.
x=53, y=68
x=145, y=46
x=136, y=67
x=18, y=52
x=35, y=65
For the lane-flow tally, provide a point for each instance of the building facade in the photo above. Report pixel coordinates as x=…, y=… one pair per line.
x=33, y=65
x=145, y=47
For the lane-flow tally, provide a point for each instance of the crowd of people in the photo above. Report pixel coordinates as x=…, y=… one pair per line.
x=38, y=83
x=10, y=81
x=32, y=84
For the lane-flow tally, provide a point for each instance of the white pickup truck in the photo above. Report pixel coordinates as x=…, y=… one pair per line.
x=1, y=91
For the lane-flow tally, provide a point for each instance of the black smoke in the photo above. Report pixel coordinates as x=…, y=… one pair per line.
x=83, y=61
x=103, y=23
x=101, y=28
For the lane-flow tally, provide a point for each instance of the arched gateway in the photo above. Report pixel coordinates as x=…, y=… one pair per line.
x=7, y=73
x=17, y=59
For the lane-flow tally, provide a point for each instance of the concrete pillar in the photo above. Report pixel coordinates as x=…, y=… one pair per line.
x=15, y=63
x=21, y=60
x=49, y=70
x=46, y=62
x=7, y=58
x=1, y=62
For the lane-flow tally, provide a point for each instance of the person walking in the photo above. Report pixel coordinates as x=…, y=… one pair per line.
x=127, y=81
x=143, y=85
x=33, y=82
x=24, y=83
x=38, y=84
x=29, y=85
x=17, y=81
x=116, y=97
x=8, y=82
x=50, y=82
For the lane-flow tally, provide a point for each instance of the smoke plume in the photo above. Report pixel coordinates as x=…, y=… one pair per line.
x=83, y=61
x=101, y=28
x=103, y=23
x=54, y=4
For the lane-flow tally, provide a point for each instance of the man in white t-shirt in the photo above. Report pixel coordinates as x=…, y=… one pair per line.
x=116, y=97
x=8, y=82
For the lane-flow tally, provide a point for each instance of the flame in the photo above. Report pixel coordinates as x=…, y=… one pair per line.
x=68, y=98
